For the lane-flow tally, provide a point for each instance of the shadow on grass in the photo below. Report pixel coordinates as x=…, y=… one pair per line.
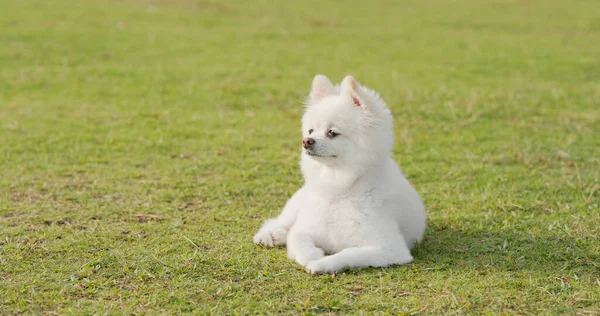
x=446, y=248
x=508, y=251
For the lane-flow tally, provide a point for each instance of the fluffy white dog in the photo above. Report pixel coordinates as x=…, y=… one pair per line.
x=356, y=209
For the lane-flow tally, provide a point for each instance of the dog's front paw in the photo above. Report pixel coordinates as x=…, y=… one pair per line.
x=266, y=238
x=279, y=236
x=263, y=238
x=319, y=267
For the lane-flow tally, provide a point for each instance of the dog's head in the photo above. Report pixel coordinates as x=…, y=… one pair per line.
x=346, y=126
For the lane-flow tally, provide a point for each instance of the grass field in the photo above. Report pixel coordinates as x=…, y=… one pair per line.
x=142, y=144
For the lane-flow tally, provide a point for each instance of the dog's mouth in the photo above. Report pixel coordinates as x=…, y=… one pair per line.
x=310, y=153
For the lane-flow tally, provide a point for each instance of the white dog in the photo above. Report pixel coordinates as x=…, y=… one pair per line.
x=356, y=209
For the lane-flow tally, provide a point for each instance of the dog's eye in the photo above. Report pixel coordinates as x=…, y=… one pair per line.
x=331, y=133
x=310, y=131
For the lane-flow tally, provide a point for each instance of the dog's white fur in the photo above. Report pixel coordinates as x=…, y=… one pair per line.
x=356, y=209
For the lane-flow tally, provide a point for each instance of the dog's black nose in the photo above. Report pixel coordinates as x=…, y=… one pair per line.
x=307, y=142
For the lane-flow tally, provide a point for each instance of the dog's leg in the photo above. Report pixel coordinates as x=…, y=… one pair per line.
x=274, y=231
x=302, y=248
x=361, y=257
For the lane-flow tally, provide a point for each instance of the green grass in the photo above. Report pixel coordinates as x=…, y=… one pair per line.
x=142, y=144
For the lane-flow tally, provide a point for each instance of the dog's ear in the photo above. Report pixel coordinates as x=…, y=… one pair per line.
x=351, y=89
x=321, y=88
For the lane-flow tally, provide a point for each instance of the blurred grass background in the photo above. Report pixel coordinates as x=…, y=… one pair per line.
x=142, y=143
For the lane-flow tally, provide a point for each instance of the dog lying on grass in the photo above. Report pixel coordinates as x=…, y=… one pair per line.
x=356, y=209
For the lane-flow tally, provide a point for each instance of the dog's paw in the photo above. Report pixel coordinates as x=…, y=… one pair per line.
x=279, y=236
x=263, y=238
x=273, y=238
x=319, y=267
